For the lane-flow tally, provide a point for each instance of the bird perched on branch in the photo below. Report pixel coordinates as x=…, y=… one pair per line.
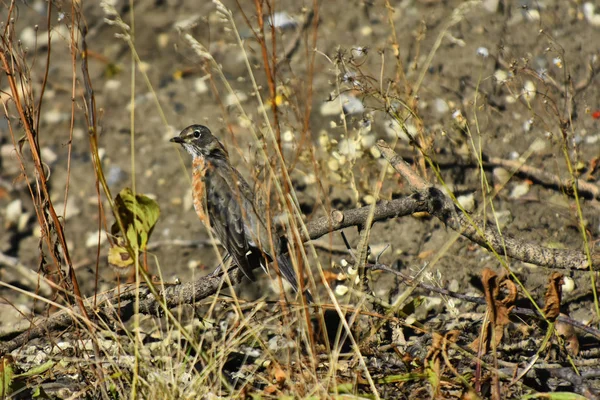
x=225, y=202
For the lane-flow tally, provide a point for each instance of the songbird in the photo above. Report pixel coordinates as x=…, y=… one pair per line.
x=224, y=201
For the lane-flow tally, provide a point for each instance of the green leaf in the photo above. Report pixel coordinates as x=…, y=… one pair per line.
x=139, y=214
x=119, y=257
x=555, y=396
x=7, y=374
x=37, y=370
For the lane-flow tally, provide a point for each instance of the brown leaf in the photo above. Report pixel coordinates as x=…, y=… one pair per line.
x=567, y=332
x=278, y=373
x=330, y=276
x=553, y=296
x=498, y=309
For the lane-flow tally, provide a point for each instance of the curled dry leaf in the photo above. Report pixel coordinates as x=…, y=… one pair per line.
x=567, y=332
x=553, y=296
x=498, y=308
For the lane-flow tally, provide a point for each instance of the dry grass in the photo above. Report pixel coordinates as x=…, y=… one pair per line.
x=351, y=342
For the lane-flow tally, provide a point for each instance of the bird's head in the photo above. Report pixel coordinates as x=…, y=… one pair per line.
x=200, y=142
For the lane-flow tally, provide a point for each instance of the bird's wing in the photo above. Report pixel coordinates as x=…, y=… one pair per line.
x=226, y=217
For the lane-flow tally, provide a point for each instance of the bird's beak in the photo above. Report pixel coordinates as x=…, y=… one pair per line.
x=176, y=139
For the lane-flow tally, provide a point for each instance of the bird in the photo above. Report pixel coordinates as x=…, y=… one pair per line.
x=225, y=202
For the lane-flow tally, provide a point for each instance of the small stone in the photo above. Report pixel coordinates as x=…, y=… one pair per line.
x=393, y=130
x=162, y=40
x=368, y=141
x=13, y=212
x=71, y=210
x=529, y=90
x=288, y=136
x=589, y=11
x=115, y=174
x=501, y=76
x=366, y=30
x=375, y=153
x=235, y=97
x=467, y=202
x=188, y=200
x=520, y=190
x=48, y=155
x=95, y=238
x=333, y=164
x=28, y=37
x=503, y=217
x=282, y=20
x=54, y=117
x=483, y=52
x=347, y=147
x=440, y=106
x=200, y=85
x=144, y=67
x=341, y=290
x=568, y=285
x=112, y=85
x=369, y=199
x=501, y=176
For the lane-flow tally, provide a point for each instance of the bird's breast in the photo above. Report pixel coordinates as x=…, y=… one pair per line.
x=199, y=188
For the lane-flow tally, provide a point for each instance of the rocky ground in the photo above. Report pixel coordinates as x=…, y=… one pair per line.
x=501, y=79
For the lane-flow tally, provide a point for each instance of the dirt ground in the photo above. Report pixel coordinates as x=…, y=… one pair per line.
x=470, y=78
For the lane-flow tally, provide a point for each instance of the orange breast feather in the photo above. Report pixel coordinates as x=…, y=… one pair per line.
x=198, y=188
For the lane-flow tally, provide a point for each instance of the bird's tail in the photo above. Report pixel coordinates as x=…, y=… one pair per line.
x=287, y=271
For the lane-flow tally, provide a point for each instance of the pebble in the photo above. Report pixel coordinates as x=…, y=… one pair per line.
x=341, y=290
x=28, y=37
x=368, y=141
x=501, y=176
x=54, y=117
x=92, y=239
x=348, y=148
x=48, y=155
x=520, y=190
x=162, y=40
x=589, y=11
x=115, y=174
x=235, y=97
x=483, y=52
x=568, y=285
x=112, y=85
x=13, y=212
x=366, y=30
x=369, y=199
x=393, y=130
x=440, y=106
x=467, y=202
x=333, y=164
x=503, y=217
x=188, y=200
x=288, y=136
x=343, y=104
x=282, y=20
x=529, y=90
x=71, y=210
x=501, y=76
x=200, y=85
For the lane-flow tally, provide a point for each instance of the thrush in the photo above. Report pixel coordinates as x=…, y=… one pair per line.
x=224, y=201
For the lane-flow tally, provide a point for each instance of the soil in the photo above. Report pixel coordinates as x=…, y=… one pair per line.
x=479, y=68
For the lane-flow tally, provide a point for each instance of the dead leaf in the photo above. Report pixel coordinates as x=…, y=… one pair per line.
x=553, y=296
x=498, y=309
x=278, y=373
x=567, y=332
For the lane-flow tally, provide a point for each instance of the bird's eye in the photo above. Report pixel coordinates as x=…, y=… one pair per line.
x=196, y=134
